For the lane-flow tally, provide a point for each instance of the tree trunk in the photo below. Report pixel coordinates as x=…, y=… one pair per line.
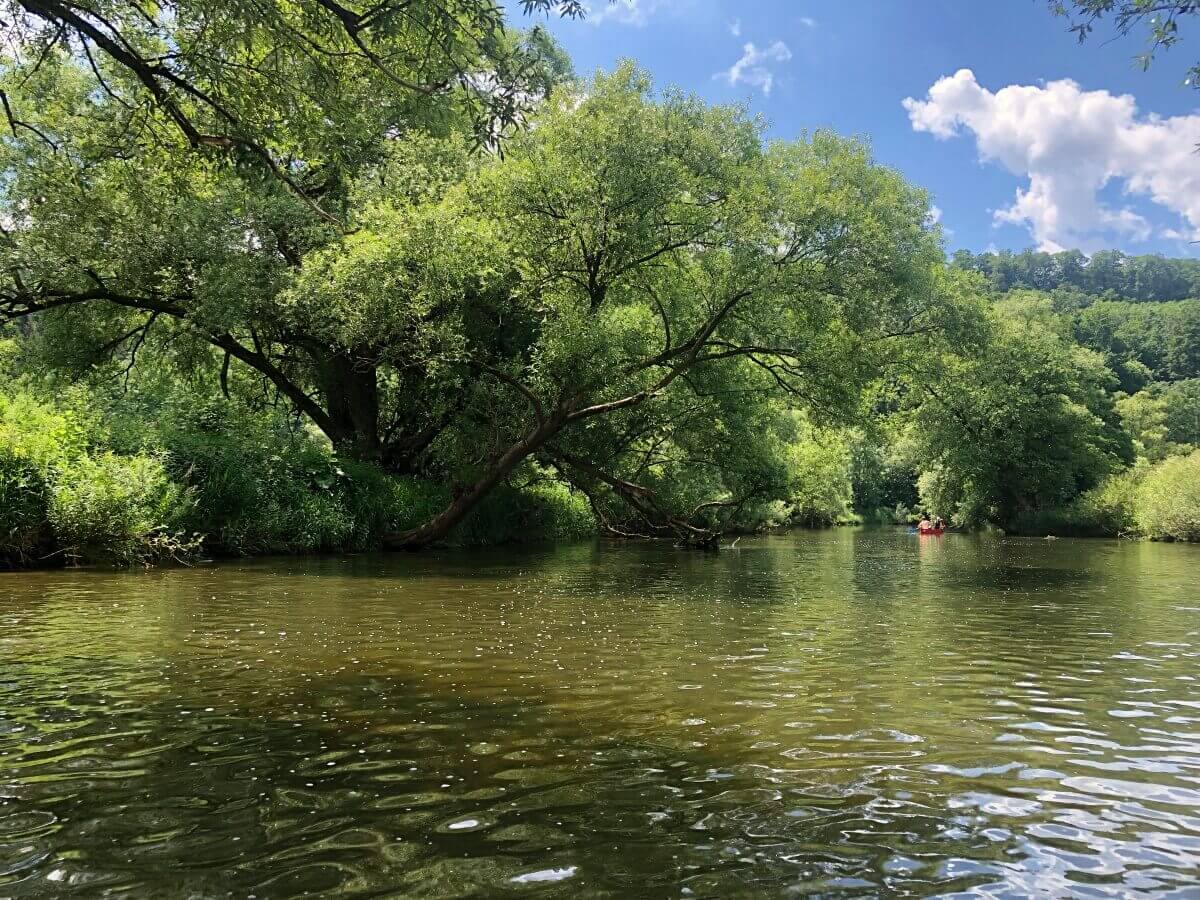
x=351, y=391
x=444, y=522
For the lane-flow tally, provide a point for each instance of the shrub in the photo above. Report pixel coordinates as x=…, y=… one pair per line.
x=1167, y=500
x=109, y=508
x=534, y=514
x=1108, y=509
x=24, y=534
x=34, y=440
x=549, y=512
x=262, y=491
x=1160, y=502
x=249, y=483
x=38, y=433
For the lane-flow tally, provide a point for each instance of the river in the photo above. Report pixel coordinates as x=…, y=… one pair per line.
x=848, y=713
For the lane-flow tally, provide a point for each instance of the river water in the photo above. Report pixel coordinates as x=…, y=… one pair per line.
x=849, y=713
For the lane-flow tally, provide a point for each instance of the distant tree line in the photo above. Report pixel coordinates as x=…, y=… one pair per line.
x=1106, y=273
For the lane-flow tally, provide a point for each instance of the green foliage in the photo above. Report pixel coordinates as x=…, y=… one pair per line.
x=1107, y=510
x=1107, y=273
x=1162, y=337
x=1144, y=418
x=110, y=508
x=958, y=497
x=640, y=312
x=640, y=280
x=1151, y=348
x=1163, y=419
x=543, y=512
x=1167, y=500
x=1023, y=424
x=1160, y=19
x=60, y=498
x=258, y=490
x=316, y=83
x=218, y=478
x=885, y=466
x=38, y=433
x=1160, y=501
x=259, y=487
x=1181, y=412
x=35, y=441
x=1110, y=508
x=821, y=492
x=24, y=505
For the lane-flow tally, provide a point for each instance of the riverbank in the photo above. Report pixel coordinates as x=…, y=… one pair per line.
x=191, y=481
x=75, y=490
x=144, y=479
x=1159, y=501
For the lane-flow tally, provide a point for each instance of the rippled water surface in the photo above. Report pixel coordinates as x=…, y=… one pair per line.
x=853, y=713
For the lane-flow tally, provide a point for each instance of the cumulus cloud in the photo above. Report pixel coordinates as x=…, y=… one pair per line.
x=754, y=67
x=808, y=21
x=623, y=12
x=735, y=27
x=1071, y=143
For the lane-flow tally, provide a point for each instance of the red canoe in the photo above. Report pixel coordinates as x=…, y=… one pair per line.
x=936, y=532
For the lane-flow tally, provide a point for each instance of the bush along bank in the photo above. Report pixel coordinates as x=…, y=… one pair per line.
x=211, y=485
x=1159, y=501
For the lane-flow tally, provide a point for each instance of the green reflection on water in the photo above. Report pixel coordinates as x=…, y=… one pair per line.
x=840, y=713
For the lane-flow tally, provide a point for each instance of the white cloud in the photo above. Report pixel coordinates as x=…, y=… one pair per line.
x=1070, y=143
x=623, y=12
x=935, y=218
x=754, y=66
x=808, y=21
x=735, y=27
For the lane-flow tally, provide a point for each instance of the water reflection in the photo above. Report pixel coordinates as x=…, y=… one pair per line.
x=843, y=714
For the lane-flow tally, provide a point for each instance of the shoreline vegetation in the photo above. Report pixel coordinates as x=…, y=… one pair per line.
x=74, y=489
x=295, y=301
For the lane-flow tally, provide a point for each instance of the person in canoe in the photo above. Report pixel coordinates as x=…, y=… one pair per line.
x=931, y=525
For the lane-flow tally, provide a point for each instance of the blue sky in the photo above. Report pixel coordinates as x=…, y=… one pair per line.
x=1013, y=156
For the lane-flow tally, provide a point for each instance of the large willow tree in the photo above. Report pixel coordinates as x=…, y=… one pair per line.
x=302, y=88
x=629, y=298
x=171, y=164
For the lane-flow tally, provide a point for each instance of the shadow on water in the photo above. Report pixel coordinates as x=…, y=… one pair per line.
x=458, y=803
x=834, y=714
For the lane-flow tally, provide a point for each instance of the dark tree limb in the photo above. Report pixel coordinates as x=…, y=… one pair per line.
x=643, y=501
